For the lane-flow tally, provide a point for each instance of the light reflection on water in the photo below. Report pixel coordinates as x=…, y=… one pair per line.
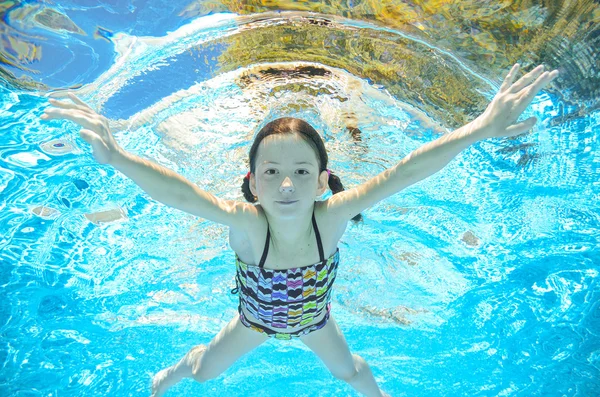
x=481, y=279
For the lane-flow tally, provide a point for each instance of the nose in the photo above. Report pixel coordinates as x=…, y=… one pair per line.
x=287, y=185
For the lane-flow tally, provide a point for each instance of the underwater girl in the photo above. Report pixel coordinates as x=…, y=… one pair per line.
x=284, y=239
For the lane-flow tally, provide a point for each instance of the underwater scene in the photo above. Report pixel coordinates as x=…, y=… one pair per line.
x=478, y=278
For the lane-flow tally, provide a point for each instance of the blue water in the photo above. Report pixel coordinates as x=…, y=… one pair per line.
x=480, y=280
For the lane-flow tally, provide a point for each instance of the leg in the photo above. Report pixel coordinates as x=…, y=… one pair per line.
x=329, y=344
x=208, y=362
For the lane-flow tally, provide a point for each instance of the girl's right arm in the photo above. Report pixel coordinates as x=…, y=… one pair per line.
x=159, y=182
x=172, y=189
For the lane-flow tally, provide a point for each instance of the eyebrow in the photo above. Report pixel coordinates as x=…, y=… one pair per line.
x=301, y=162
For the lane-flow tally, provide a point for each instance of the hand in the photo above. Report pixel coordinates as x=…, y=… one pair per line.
x=502, y=113
x=96, y=132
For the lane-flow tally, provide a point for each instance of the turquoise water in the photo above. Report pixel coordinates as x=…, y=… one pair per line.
x=480, y=280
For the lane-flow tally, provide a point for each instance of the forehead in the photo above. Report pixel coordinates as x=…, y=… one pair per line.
x=285, y=149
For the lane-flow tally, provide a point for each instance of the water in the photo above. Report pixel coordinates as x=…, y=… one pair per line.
x=480, y=280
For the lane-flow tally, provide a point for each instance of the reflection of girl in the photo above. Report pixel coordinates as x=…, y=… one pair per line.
x=286, y=243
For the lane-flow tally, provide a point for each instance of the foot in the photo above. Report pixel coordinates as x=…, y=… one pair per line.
x=162, y=381
x=168, y=377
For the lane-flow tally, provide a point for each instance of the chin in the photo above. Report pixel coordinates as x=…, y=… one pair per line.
x=287, y=208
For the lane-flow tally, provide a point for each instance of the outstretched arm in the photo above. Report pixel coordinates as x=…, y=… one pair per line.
x=498, y=120
x=162, y=184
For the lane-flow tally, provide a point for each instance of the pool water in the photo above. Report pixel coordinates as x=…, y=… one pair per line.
x=479, y=280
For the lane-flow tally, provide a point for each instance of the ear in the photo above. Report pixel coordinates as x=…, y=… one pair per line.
x=323, y=183
x=252, y=185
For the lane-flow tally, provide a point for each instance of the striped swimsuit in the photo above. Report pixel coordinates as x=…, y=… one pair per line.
x=286, y=299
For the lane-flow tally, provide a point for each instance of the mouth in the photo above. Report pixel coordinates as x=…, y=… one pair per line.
x=287, y=202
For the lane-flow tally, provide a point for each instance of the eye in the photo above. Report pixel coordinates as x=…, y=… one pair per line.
x=302, y=171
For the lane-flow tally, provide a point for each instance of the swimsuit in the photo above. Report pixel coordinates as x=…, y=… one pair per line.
x=287, y=299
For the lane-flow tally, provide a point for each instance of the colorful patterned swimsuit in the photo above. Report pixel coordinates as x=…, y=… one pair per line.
x=287, y=299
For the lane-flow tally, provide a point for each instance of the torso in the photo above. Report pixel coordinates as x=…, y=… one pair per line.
x=249, y=247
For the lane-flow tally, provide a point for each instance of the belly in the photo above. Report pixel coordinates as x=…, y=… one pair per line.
x=283, y=330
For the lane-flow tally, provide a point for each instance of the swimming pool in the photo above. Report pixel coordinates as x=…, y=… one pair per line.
x=480, y=280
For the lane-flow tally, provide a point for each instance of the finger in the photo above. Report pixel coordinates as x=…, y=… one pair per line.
x=541, y=82
x=528, y=78
x=74, y=115
x=88, y=136
x=521, y=127
x=510, y=77
x=57, y=94
x=66, y=105
x=78, y=101
x=65, y=94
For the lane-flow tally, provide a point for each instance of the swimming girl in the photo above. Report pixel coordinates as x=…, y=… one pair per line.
x=284, y=239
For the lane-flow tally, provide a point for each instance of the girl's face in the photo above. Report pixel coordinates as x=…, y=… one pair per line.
x=287, y=178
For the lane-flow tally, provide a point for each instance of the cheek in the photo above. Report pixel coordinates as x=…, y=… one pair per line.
x=273, y=185
x=265, y=186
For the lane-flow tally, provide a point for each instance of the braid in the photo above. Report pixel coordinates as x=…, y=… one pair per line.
x=246, y=190
x=335, y=184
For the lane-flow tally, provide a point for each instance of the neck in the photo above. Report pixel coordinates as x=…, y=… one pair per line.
x=288, y=232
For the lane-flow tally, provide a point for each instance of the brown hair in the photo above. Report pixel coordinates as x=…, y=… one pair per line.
x=291, y=125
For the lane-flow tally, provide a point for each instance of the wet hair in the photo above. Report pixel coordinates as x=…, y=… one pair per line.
x=290, y=126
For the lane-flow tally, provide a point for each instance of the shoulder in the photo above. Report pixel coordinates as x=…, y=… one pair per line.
x=251, y=215
x=239, y=235
x=328, y=219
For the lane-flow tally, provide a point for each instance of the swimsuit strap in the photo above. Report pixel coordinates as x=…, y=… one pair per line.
x=319, y=243
x=314, y=221
x=266, y=250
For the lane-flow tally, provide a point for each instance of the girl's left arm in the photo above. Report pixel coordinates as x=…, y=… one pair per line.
x=498, y=120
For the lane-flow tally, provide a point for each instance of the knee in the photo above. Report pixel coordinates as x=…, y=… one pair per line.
x=348, y=372
x=202, y=376
x=200, y=371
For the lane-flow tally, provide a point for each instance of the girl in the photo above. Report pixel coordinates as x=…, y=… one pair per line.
x=286, y=245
